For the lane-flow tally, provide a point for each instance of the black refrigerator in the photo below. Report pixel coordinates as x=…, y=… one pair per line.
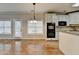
x=51, y=30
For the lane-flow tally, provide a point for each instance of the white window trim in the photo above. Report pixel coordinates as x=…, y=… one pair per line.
x=42, y=33
x=11, y=29
x=15, y=30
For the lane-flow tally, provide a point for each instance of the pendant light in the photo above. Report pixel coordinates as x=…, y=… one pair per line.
x=34, y=18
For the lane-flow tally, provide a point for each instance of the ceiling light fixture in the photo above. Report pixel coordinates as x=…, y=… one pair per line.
x=34, y=18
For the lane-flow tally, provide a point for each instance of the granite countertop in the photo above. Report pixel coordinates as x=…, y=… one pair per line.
x=71, y=32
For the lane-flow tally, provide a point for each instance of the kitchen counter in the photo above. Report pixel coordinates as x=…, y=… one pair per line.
x=69, y=42
x=71, y=32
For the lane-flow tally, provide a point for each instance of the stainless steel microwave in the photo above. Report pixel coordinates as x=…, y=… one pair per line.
x=62, y=23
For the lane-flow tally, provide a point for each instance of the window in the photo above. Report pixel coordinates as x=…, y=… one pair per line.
x=18, y=28
x=5, y=27
x=35, y=28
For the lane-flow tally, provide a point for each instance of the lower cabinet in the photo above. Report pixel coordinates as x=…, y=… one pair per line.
x=68, y=43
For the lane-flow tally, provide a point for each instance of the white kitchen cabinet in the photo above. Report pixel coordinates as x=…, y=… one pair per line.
x=74, y=18
x=52, y=18
x=68, y=43
x=48, y=18
x=55, y=18
x=63, y=18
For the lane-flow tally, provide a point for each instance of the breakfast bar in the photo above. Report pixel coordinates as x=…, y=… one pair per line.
x=69, y=42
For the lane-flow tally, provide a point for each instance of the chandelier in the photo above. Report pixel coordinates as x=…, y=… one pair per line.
x=34, y=18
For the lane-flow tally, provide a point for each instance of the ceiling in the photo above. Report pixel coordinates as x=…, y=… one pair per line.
x=40, y=7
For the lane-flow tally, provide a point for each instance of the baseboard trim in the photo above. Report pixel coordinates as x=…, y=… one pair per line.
x=61, y=52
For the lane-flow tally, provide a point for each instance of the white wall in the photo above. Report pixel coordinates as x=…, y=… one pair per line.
x=24, y=18
x=71, y=18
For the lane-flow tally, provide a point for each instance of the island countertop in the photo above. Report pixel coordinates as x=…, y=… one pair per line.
x=71, y=32
x=68, y=42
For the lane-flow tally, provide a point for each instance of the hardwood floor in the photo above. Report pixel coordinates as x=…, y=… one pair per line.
x=29, y=47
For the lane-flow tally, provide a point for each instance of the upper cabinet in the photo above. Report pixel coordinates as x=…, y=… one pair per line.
x=64, y=18
x=48, y=17
x=54, y=18
x=51, y=18
x=74, y=18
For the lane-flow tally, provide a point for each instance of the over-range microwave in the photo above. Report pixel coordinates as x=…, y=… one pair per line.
x=62, y=23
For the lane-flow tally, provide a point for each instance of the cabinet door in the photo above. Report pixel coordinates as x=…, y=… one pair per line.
x=52, y=18
x=48, y=18
x=64, y=18
x=74, y=18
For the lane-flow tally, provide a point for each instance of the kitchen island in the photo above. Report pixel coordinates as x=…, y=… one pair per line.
x=69, y=42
